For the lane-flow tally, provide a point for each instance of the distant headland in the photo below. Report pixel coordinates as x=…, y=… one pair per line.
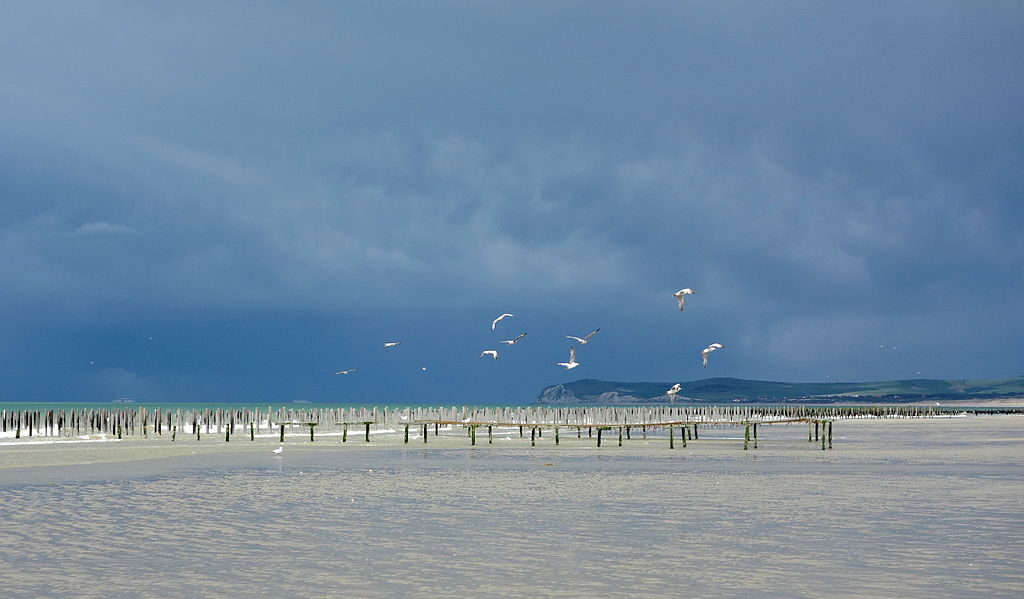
x=724, y=389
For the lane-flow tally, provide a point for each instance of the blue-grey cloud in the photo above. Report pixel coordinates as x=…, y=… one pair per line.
x=828, y=178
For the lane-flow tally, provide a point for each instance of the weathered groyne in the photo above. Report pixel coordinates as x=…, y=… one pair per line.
x=125, y=422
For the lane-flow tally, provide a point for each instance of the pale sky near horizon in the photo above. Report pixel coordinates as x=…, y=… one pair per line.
x=233, y=200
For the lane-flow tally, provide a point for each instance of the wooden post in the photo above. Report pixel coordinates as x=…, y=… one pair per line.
x=695, y=437
x=344, y=432
x=822, y=434
x=682, y=434
x=310, y=425
x=252, y=431
x=556, y=435
x=627, y=433
x=533, y=436
x=282, y=431
x=424, y=433
x=490, y=434
x=520, y=432
x=227, y=434
x=367, y=423
x=174, y=432
x=435, y=430
x=620, y=436
x=472, y=434
x=406, y=432
x=746, y=436
x=830, y=434
x=598, y=435
x=816, y=422
x=755, y=435
x=671, y=438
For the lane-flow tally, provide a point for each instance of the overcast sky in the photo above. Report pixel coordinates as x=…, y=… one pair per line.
x=232, y=201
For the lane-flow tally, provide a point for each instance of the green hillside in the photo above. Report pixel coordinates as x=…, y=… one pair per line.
x=593, y=391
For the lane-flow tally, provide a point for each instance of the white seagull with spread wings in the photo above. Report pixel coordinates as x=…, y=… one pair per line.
x=346, y=371
x=708, y=350
x=490, y=352
x=514, y=340
x=572, y=363
x=391, y=343
x=495, y=323
x=673, y=390
x=681, y=295
x=583, y=340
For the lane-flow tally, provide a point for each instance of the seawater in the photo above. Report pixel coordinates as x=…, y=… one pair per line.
x=909, y=508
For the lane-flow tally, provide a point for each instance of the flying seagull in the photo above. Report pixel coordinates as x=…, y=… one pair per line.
x=583, y=340
x=708, y=350
x=673, y=390
x=495, y=323
x=278, y=450
x=681, y=295
x=572, y=363
x=490, y=352
x=346, y=371
x=391, y=343
x=513, y=341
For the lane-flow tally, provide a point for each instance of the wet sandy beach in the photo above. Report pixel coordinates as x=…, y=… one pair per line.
x=911, y=508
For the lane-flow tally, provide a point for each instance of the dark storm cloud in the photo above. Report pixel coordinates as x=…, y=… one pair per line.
x=831, y=178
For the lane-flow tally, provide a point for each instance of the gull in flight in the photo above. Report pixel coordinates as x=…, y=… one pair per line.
x=681, y=295
x=513, y=341
x=279, y=450
x=346, y=371
x=490, y=352
x=391, y=343
x=583, y=340
x=708, y=350
x=673, y=390
x=495, y=323
x=572, y=363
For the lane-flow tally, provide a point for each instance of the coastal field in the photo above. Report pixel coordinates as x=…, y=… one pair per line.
x=907, y=507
